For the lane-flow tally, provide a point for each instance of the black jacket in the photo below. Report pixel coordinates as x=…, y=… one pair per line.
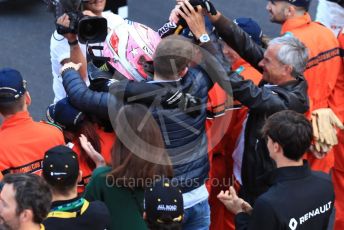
x=298, y=199
x=184, y=135
x=262, y=100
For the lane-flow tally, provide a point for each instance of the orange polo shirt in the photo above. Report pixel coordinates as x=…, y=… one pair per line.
x=23, y=143
x=323, y=68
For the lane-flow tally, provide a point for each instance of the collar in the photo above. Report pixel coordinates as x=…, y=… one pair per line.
x=291, y=173
x=63, y=202
x=163, y=81
x=294, y=23
x=16, y=120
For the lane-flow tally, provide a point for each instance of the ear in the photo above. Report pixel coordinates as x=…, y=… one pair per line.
x=277, y=148
x=183, y=72
x=144, y=216
x=27, y=98
x=290, y=11
x=288, y=69
x=26, y=216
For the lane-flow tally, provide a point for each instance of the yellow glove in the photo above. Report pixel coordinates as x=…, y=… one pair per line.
x=324, y=128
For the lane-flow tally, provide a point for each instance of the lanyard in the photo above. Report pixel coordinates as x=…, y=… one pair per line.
x=64, y=214
x=70, y=206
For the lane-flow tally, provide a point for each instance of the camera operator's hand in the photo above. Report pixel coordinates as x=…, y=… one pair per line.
x=194, y=19
x=70, y=65
x=64, y=21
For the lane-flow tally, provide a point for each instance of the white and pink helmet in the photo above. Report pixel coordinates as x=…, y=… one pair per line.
x=126, y=44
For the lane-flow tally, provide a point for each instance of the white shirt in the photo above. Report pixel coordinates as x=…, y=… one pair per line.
x=195, y=196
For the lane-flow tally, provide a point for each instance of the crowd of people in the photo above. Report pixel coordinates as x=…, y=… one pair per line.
x=205, y=124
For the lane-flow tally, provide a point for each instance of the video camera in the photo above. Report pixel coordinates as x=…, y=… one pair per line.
x=89, y=29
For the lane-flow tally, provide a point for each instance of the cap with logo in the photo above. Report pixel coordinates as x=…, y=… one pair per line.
x=163, y=202
x=12, y=85
x=60, y=166
x=62, y=113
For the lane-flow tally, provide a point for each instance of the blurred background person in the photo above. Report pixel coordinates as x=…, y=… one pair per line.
x=75, y=125
x=163, y=206
x=22, y=140
x=25, y=201
x=62, y=173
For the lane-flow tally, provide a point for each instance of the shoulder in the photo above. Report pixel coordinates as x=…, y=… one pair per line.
x=98, y=207
x=100, y=172
x=113, y=19
x=322, y=177
x=49, y=127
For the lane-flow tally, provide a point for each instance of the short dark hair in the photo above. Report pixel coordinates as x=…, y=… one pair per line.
x=172, y=55
x=12, y=107
x=291, y=130
x=31, y=192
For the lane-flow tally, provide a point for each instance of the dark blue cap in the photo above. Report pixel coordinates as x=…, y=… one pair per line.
x=251, y=27
x=12, y=85
x=64, y=114
x=301, y=3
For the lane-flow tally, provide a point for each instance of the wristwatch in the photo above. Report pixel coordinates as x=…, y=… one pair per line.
x=204, y=38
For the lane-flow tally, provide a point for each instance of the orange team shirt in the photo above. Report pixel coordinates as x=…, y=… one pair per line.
x=23, y=143
x=323, y=69
x=107, y=141
x=324, y=62
x=338, y=103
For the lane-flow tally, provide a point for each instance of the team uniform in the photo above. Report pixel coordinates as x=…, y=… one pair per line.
x=78, y=213
x=23, y=143
x=323, y=68
x=298, y=199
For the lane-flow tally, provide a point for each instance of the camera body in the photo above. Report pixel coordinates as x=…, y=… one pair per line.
x=89, y=29
x=74, y=17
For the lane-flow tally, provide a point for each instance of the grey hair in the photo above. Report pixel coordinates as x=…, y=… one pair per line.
x=292, y=52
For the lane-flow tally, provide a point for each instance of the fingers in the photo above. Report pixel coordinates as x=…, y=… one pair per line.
x=70, y=65
x=233, y=192
x=77, y=67
x=223, y=195
x=63, y=20
x=335, y=120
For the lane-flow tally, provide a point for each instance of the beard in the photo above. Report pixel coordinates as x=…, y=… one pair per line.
x=4, y=225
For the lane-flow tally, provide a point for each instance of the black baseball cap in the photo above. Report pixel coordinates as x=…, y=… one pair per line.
x=163, y=202
x=302, y=3
x=60, y=166
x=12, y=85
